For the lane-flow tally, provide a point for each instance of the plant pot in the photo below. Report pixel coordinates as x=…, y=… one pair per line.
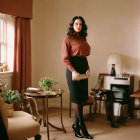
x=9, y=108
x=45, y=88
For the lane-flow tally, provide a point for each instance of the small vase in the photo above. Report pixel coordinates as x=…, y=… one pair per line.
x=45, y=88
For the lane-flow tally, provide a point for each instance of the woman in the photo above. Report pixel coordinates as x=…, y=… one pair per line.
x=74, y=51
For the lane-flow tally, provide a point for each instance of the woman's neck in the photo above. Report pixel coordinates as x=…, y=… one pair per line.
x=76, y=34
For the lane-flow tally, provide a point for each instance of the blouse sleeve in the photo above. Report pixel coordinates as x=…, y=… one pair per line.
x=65, y=54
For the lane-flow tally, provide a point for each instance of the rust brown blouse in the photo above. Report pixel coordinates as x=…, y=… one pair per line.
x=73, y=46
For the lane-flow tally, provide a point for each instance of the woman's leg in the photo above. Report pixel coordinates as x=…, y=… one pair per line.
x=80, y=119
x=78, y=108
x=76, y=121
x=76, y=128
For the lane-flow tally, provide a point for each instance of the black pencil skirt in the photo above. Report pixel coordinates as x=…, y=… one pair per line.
x=78, y=89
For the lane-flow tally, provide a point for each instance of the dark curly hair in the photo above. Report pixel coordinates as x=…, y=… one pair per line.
x=83, y=32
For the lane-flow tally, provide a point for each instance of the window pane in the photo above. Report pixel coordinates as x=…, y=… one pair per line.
x=2, y=46
x=1, y=30
x=2, y=54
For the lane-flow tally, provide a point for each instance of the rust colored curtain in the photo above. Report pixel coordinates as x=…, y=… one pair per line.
x=22, y=55
x=18, y=8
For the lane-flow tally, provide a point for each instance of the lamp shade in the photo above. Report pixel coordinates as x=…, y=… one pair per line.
x=114, y=58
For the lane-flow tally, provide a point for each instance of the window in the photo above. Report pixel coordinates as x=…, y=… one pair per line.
x=6, y=41
x=2, y=40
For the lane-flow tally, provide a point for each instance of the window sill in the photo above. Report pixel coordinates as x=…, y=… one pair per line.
x=6, y=74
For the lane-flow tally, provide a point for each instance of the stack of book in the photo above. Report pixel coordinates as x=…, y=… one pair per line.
x=34, y=90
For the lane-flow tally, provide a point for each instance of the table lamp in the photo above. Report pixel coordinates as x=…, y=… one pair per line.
x=113, y=59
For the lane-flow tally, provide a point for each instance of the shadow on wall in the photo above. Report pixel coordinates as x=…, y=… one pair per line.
x=131, y=65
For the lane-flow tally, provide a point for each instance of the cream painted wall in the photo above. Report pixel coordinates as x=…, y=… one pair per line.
x=113, y=26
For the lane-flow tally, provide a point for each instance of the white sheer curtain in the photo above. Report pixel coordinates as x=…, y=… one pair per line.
x=10, y=42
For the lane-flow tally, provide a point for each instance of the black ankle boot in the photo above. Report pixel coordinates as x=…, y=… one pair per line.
x=85, y=133
x=87, y=136
x=77, y=131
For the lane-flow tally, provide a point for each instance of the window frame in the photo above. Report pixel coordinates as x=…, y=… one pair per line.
x=4, y=35
x=7, y=42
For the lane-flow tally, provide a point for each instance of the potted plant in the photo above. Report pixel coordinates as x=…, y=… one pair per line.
x=46, y=83
x=10, y=97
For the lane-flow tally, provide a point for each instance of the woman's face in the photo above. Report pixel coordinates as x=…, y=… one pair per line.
x=77, y=26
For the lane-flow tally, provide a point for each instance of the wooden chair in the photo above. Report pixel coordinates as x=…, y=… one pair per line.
x=98, y=99
x=133, y=96
x=31, y=108
x=90, y=102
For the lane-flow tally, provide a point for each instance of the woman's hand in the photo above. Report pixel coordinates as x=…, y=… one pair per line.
x=88, y=72
x=75, y=76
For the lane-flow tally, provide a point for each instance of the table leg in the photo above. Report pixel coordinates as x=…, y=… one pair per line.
x=94, y=110
x=95, y=107
x=45, y=115
x=132, y=106
x=100, y=106
x=61, y=129
x=46, y=102
x=62, y=117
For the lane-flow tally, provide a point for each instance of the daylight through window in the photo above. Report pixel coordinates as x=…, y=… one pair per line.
x=6, y=42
